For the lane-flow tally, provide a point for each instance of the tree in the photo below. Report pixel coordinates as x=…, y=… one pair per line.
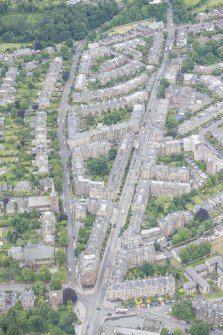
x=200, y=329
x=57, y=331
x=44, y=274
x=37, y=323
x=92, y=36
x=14, y=265
x=89, y=120
x=41, y=319
x=39, y=288
x=112, y=118
x=183, y=310
x=182, y=235
x=62, y=216
x=69, y=295
x=5, y=201
x=63, y=240
x=164, y=331
x=12, y=236
x=60, y=257
x=148, y=269
x=28, y=275
x=69, y=42
x=163, y=85
x=164, y=203
x=65, y=52
x=195, y=251
x=112, y=153
x=21, y=114
x=201, y=215
x=65, y=75
x=35, y=106
x=23, y=104
x=55, y=284
x=98, y=166
x=13, y=329
x=157, y=246
x=188, y=65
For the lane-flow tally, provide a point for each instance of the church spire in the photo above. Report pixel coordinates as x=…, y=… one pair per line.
x=53, y=192
x=54, y=205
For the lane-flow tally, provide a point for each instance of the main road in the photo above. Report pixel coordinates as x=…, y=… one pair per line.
x=67, y=196
x=94, y=303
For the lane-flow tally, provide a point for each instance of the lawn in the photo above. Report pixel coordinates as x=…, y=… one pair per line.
x=189, y=206
x=195, y=263
x=191, y=2
x=211, y=190
x=197, y=200
x=217, y=245
x=5, y=46
x=174, y=262
x=124, y=28
x=216, y=294
x=7, y=160
x=42, y=4
x=6, y=153
x=208, y=4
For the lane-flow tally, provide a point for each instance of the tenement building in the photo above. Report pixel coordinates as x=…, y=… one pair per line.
x=174, y=221
x=210, y=312
x=133, y=289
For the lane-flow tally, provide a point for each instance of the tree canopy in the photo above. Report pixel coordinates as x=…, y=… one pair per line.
x=194, y=251
x=26, y=22
x=69, y=295
x=183, y=310
x=137, y=10
x=41, y=319
x=164, y=331
x=200, y=329
x=101, y=166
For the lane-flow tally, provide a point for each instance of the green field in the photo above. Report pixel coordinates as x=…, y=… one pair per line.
x=125, y=28
x=40, y=4
x=217, y=245
x=203, y=7
x=210, y=4
x=191, y=2
x=5, y=46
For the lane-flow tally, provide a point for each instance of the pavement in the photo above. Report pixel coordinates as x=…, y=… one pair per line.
x=80, y=311
x=162, y=314
x=14, y=287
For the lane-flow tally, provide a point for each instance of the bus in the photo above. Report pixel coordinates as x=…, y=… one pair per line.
x=121, y=310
